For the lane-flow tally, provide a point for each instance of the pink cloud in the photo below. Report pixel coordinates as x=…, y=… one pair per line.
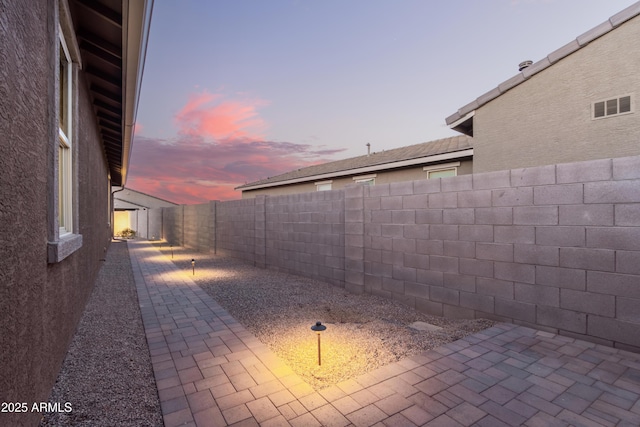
x=219, y=147
x=209, y=115
x=191, y=169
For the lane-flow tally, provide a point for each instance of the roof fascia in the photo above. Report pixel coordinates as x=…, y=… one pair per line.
x=136, y=23
x=462, y=119
x=393, y=165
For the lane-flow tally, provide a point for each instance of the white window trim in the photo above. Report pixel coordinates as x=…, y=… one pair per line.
x=363, y=179
x=617, y=98
x=320, y=184
x=455, y=172
x=442, y=167
x=65, y=141
x=64, y=241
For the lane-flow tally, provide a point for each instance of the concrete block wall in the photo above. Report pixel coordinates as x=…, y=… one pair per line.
x=260, y=227
x=196, y=226
x=304, y=234
x=553, y=247
x=173, y=225
x=235, y=228
x=155, y=224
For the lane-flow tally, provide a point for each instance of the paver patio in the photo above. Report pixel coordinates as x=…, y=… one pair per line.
x=211, y=371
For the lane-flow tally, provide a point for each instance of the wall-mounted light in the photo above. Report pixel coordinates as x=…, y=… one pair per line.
x=193, y=266
x=319, y=327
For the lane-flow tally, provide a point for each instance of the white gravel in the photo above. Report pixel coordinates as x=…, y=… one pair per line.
x=364, y=332
x=106, y=375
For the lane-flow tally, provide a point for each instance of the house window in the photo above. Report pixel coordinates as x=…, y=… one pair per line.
x=442, y=170
x=441, y=173
x=612, y=107
x=365, y=180
x=63, y=231
x=65, y=140
x=323, y=185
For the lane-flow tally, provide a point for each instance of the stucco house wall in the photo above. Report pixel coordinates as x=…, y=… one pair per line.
x=41, y=302
x=547, y=119
x=60, y=153
x=382, y=177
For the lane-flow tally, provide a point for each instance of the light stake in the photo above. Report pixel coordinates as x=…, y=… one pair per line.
x=319, y=327
x=193, y=266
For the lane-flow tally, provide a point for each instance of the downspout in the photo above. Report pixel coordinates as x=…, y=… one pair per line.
x=113, y=210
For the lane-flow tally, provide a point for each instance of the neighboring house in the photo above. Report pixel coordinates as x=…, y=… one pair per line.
x=131, y=210
x=69, y=83
x=578, y=103
x=436, y=159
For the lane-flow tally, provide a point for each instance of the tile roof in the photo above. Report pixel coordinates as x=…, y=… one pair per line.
x=345, y=166
x=566, y=50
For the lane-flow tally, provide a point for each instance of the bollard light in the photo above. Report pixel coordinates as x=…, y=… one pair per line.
x=319, y=327
x=171, y=246
x=193, y=266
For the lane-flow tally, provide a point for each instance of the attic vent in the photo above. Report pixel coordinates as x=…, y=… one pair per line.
x=612, y=107
x=524, y=64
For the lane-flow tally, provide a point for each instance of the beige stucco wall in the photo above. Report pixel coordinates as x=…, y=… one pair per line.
x=547, y=119
x=384, y=177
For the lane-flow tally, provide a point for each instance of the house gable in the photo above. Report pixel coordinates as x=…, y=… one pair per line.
x=462, y=120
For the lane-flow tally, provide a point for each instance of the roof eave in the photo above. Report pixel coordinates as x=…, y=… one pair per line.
x=136, y=23
x=464, y=124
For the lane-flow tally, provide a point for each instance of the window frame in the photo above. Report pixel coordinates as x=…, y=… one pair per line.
x=365, y=179
x=64, y=236
x=321, y=185
x=441, y=168
x=65, y=138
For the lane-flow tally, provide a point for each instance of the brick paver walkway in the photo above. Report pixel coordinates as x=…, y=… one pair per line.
x=210, y=371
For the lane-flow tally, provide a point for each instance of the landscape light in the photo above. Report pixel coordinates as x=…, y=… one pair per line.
x=171, y=246
x=318, y=327
x=193, y=266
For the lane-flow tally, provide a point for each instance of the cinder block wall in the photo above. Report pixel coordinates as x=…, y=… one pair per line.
x=196, y=226
x=155, y=224
x=305, y=234
x=235, y=228
x=553, y=247
x=173, y=225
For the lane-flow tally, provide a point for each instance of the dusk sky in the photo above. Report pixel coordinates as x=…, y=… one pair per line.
x=235, y=91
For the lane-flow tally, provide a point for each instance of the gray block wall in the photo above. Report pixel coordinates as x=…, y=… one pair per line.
x=304, y=234
x=553, y=247
x=155, y=224
x=235, y=229
x=196, y=226
x=173, y=225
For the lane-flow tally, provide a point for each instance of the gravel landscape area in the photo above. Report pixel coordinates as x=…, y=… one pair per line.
x=106, y=375
x=364, y=332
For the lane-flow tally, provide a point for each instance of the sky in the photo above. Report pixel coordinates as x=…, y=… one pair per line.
x=235, y=91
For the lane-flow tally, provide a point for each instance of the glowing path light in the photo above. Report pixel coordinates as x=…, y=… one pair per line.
x=318, y=327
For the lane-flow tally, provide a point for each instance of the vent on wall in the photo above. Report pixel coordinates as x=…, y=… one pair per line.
x=612, y=107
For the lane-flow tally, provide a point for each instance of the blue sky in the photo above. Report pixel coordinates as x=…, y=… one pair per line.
x=238, y=90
